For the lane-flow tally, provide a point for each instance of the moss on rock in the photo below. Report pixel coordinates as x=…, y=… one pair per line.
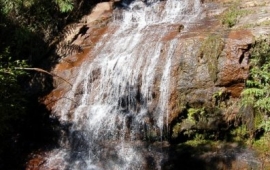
x=211, y=49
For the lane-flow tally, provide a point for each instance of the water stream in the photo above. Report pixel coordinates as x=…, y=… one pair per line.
x=118, y=104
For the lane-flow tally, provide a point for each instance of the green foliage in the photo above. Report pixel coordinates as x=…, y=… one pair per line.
x=8, y=69
x=8, y=6
x=176, y=130
x=257, y=92
x=232, y=15
x=199, y=139
x=196, y=120
x=220, y=98
x=218, y=94
x=43, y=17
x=239, y=134
x=265, y=124
x=65, y=5
x=195, y=114
x=262, y=145
x=18, y=5
x=12, y=102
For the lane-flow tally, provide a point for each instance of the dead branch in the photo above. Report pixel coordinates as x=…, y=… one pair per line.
x=43, y=71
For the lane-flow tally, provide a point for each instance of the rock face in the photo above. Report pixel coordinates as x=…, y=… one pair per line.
x=215, y=69
x=200, y=73
x=217, y=62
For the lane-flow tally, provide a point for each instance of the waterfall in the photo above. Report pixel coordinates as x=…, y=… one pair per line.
x=118, y=104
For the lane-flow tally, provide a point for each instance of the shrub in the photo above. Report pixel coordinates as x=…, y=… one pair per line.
x=257, y=91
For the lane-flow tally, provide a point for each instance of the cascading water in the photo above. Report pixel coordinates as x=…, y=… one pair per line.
x=118, y=103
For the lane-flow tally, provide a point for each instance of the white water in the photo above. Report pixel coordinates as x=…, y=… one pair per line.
x=122, y=96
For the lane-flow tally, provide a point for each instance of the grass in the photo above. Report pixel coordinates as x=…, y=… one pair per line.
x=261, y=24
x=262, y=145
x=232, y=15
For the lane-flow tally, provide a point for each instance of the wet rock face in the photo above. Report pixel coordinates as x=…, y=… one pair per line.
x=206, y=66
x=206, y=76
x=35, y=163
x=222, y=75
x=203, y=64
x=234, y=64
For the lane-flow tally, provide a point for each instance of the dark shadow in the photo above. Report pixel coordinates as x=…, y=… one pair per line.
x=182, y=157
x=204, y=157
x=29, y=128
x=32, y=132
x=124, y=4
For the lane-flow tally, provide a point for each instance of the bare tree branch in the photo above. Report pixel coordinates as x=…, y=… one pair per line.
x=43, y=71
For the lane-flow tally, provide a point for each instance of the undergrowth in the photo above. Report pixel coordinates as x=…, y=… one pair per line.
x=232, y=15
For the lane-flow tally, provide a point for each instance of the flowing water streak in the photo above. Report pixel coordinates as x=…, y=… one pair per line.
x=164, y=87
x=111, y=104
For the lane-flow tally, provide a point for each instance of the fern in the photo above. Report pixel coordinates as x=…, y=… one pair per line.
x=257, y=91
x=251, y=83
x=263, y=104
x=265, y=125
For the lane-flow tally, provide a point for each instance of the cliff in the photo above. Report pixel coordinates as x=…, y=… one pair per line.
x=208, y=65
